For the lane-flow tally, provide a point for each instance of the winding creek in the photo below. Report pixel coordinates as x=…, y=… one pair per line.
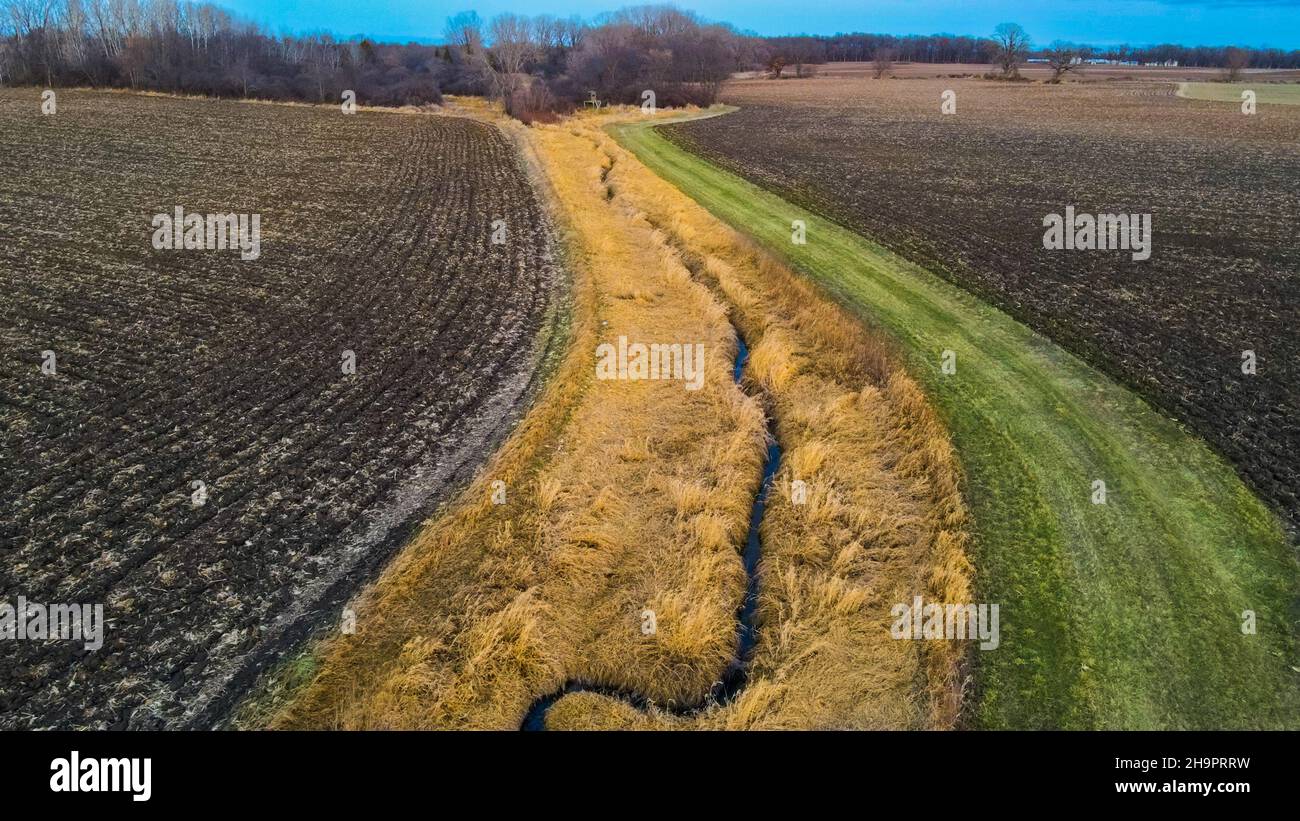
x=736, y=676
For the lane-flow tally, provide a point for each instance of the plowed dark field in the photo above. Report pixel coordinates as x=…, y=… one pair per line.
x=177, y=367
x=966, y=194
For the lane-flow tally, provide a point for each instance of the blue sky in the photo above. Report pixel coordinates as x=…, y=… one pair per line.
x=1258, y=23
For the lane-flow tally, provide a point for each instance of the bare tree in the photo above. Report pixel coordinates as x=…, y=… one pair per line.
x=513, y=47
x=109, y=26
x=1235, y=61
x=1010, y=48
x=33, y=23
x=465, y=30
x=802, y=53
x=546, y=31
x=656, y=22
x=242, y=73
x=74, y=44
x=323, y=57
x=571, y=32
x=1063, y=58
x=512, y=40
x=133, y=58
x=882, y=62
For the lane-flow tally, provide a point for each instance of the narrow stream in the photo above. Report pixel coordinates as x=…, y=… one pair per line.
x=737, y=673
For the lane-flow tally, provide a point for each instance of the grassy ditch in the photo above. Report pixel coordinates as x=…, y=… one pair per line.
x=1126, y=614
x=865, y=510
x=623, y=497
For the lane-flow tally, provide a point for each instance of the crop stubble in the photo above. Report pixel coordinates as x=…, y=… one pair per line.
x=184, y=366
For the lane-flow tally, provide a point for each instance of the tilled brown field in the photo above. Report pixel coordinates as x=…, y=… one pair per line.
x=177, y=367
x=966, y=195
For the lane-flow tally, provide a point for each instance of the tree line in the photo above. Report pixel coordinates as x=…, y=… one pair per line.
x=946, y=48
x=540, y=65
x=537, y=65
x=198, y=48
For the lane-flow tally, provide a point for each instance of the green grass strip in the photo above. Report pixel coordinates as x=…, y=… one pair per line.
x=1126, y=614
x=1265, y=93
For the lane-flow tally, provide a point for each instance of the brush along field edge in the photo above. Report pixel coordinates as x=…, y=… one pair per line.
x=624, y=497
x=1127, y=614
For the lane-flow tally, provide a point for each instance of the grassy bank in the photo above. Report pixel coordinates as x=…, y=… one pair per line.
x=1126, y=614
x=1265, y=93
x=878, y=518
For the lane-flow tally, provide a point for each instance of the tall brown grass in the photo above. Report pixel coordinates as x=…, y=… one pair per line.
x=624, y=497
x=883, y=519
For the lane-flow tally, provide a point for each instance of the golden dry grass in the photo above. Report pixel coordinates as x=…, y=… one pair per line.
x=626, y=496
x=883, y=518
x=621, y=496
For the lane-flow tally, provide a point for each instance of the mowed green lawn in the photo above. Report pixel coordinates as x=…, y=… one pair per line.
x=1126, y=614
x=1265, y=93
